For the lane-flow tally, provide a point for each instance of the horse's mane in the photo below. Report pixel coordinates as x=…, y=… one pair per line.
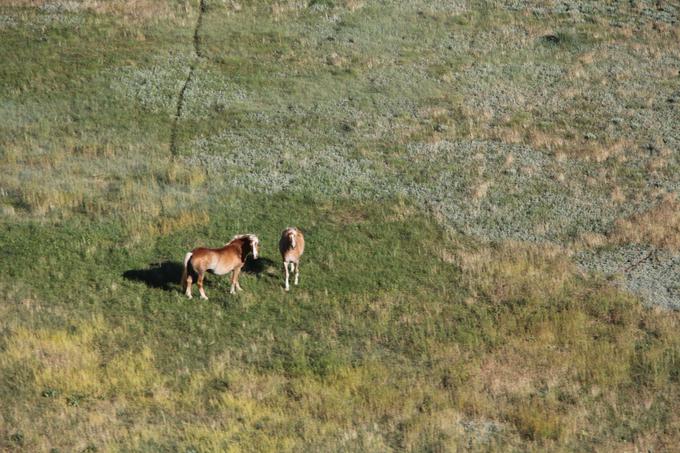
x=251, y=237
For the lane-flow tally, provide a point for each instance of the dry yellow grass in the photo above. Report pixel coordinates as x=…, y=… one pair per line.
x=68, y=362
x=515, y=270
x=283, y=9
x=480, y=191
x=590, y=240
x=658, y=226
x=353, y=5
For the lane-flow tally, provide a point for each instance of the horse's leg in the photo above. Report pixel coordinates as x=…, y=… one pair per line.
x=297, y=272
x=188, y=283
x=200, y=285
x=237, y=271
x=285, y=268
x=234, y=278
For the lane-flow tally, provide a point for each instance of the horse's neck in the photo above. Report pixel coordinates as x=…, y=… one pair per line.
x=245, y=249
x=240, y=247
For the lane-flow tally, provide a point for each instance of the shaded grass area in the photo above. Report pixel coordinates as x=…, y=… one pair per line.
x=400, y=336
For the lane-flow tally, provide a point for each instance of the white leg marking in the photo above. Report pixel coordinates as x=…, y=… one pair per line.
x=297, y=273
x=232, y=290
x=285, y=267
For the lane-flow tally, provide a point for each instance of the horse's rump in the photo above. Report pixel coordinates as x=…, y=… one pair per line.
x=187, y=269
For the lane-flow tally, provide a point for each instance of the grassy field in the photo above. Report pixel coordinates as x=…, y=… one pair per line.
x=488, y=190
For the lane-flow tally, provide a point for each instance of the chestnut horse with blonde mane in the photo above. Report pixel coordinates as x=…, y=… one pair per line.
x=291, y=246
x=229, y=258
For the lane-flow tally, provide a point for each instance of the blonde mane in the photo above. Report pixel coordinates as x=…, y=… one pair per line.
x=251, y=237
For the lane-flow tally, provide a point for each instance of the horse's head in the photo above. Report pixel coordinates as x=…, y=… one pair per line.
x=292, y=235
x=249, y=244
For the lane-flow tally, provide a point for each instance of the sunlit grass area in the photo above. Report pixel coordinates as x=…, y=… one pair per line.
x=410, y=339
x=489, y=196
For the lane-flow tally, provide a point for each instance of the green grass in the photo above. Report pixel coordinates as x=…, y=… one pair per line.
x=410, y=339
x=453, y=170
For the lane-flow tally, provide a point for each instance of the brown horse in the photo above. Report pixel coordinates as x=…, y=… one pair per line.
x=291, y=246
x=229, y=258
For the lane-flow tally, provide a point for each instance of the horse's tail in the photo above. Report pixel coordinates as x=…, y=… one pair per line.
x=185, y=270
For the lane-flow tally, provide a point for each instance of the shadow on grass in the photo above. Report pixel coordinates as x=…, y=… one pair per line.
x=259, y=266
x=167, y=275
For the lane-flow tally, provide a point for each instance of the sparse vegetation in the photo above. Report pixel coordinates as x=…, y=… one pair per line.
x=488, y=192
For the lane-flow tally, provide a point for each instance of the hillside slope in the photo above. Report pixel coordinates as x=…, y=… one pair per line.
x=488, y=192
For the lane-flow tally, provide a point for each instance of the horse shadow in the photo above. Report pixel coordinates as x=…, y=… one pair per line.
x=167, y=275
x=261, y=267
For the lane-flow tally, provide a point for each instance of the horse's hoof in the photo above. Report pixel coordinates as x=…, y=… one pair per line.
x=204, y=297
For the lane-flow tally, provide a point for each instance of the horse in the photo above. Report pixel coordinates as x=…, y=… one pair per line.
x=291, y=246
x=229, y=258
